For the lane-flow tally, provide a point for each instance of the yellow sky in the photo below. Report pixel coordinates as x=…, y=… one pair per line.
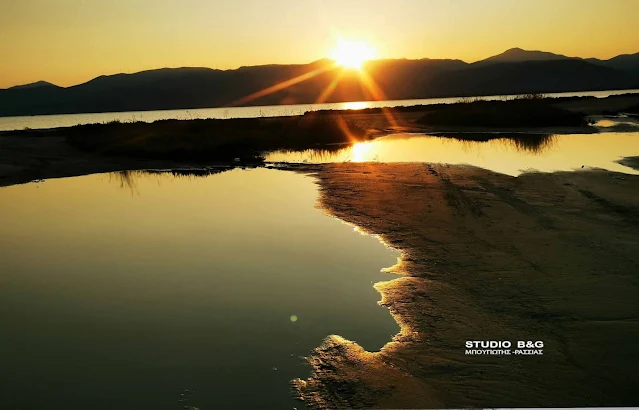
x=71, y=41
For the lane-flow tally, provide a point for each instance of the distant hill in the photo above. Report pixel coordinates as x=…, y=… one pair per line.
x=624, y=62
x=628, y=62
x=531, y=77
x=517, y=55
x=37, y=84
x=512, y=72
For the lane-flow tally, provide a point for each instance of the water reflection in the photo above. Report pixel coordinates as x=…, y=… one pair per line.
x=212, y=283
x=511, y=154
x=355, y=105
x=371, y=151
x=128, y=179
x=526, y=143
x=617, y=124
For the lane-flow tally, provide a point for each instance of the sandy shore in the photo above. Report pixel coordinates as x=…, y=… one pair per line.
x=541, y=257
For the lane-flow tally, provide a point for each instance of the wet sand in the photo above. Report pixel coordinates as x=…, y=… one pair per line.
x=632, y=162
x=539, y=257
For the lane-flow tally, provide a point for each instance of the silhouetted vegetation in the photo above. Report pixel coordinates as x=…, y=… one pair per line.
x=524, y=112
x=213, y=140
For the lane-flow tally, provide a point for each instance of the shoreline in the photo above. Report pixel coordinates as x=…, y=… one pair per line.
x=489, y=257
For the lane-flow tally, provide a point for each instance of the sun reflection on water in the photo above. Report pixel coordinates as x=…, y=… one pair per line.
x=360, y=151
x=354, y=105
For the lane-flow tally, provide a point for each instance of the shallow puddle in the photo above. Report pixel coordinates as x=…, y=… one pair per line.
x=509, y=154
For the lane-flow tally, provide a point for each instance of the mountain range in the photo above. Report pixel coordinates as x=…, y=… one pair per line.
x=515, y=71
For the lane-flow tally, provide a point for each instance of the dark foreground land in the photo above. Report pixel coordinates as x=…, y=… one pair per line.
x=539, y=257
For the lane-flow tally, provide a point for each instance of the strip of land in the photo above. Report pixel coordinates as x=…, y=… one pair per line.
x=539, y=257
x=26, y=155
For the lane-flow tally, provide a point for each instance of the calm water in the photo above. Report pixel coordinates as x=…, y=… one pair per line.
x=510, y=156
x=53, y=121
x=137, y=291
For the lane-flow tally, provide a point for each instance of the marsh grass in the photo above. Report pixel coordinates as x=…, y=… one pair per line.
x=213, y=139
x=468, y=100
x=525, y=111
x=327, y=153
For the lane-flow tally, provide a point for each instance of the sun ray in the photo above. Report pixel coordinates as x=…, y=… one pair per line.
x=347, y=132
x=330, y=88
x=378, y=94
x=351, y=55
x=280, y=86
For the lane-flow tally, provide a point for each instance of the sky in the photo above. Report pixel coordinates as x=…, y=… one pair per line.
x=67, y=42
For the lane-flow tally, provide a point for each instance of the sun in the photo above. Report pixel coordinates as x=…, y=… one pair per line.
x=352, y=53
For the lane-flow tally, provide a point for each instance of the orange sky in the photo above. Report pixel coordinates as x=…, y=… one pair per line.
x=71, y=41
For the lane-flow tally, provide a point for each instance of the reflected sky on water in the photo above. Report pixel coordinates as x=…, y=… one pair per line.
x=126, y=290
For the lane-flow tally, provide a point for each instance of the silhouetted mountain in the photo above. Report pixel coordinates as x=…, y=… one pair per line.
x=37, y=84
x=628, y=62
x=517, y=55
x=530, y=77
x=192, y=87
x=624, y=62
